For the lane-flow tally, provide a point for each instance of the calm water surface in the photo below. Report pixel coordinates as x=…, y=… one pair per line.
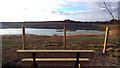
x=49, y=32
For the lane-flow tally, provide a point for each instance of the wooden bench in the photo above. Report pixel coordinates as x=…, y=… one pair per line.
x=35, y=57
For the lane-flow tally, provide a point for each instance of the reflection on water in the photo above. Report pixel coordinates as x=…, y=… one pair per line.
x=45, y=31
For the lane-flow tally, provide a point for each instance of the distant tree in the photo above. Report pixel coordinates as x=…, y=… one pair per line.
x=109, y=10
x=68, y=21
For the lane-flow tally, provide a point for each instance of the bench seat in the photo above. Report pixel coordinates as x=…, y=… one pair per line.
x=54, y=61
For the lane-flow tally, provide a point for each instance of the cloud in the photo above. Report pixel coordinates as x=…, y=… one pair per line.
x=96, y=12
x=24, y=10
x=91, y=0
x=47, y=10
x=86, y=15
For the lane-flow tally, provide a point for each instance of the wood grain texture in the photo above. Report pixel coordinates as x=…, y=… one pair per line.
x=56, y=53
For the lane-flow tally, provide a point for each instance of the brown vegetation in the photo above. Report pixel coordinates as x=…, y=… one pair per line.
x=89, y=41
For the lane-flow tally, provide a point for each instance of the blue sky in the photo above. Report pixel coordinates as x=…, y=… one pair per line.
x=54, y=10
x=70, y=7
x=73, y=9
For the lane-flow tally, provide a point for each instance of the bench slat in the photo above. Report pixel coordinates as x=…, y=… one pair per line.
x=55, y=53
x=56, y=60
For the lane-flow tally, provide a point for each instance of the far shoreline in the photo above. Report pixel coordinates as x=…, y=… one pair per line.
x=70, y=35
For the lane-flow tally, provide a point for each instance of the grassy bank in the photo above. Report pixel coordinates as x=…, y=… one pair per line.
x=11, y=43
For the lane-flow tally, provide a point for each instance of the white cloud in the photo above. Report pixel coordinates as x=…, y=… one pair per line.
x=92, y=0
x=43, y=10
x=96, y=12
x=87, y=15
x=23, y=10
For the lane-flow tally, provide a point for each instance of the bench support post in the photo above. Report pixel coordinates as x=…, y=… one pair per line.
x=77, y=60
x=34, y=62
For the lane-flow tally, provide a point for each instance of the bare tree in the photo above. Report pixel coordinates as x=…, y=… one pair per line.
x=109, y=10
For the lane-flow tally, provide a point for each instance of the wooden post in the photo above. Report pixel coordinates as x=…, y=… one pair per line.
x=79, y=66
x=23, y=37
x=106, y=39
x=64, y=38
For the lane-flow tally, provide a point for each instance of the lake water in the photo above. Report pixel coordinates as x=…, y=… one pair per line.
x=49, y=32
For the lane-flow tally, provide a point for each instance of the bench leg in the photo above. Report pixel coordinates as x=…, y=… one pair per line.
x=34, y=62
x=77, y=60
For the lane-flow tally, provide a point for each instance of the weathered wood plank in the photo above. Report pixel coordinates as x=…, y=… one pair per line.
x=23, y=37
x=64, y=39
x=56, y=60
x=56, y=53
x=106, y=39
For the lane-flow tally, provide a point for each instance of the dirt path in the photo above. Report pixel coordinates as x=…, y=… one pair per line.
x=103, y=60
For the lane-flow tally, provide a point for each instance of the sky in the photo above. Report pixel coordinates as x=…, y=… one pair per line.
x=56, y=10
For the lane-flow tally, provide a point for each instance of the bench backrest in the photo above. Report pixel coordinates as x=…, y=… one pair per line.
x=56, y=53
